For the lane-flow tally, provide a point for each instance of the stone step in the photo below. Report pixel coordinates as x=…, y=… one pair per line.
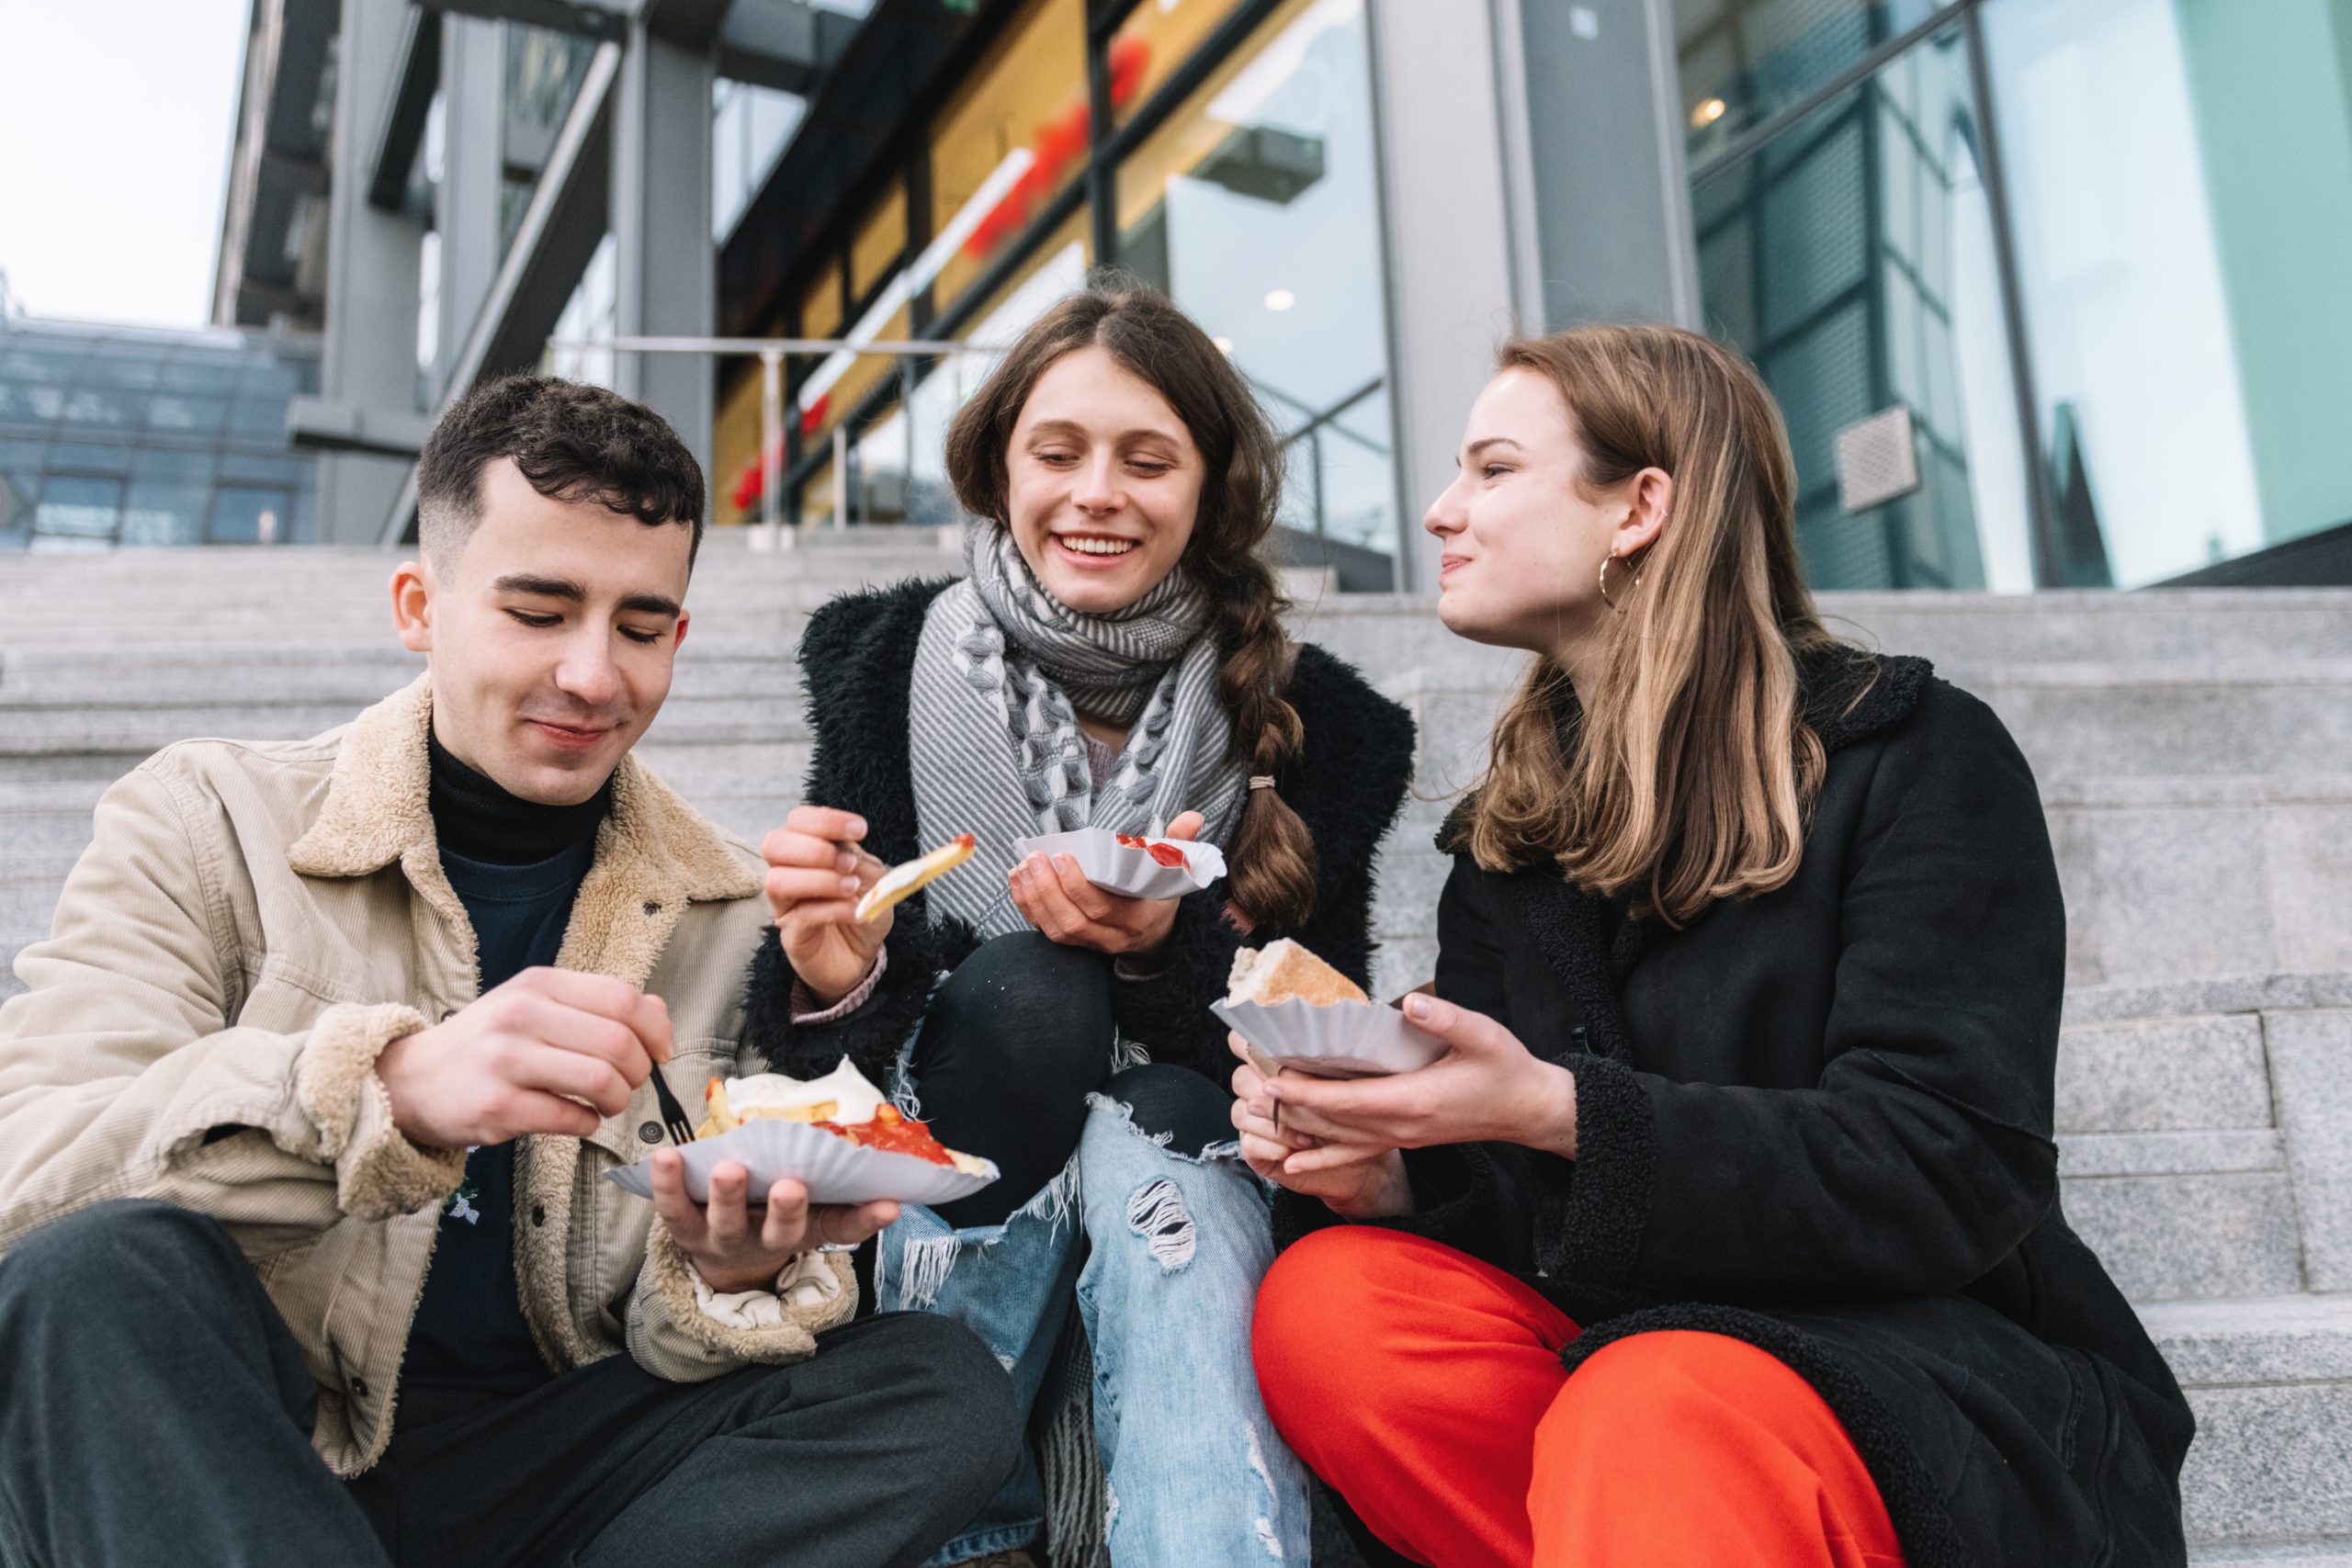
x=1396, y=633
x=2310, y=1554
x=139, y=730
x=2270, y=1380
x=2291, y=719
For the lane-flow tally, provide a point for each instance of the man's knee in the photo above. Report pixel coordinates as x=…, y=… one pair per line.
x=955, y=1390
x=98, y=1254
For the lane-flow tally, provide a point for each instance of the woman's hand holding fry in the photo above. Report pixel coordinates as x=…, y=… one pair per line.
x=817, y=870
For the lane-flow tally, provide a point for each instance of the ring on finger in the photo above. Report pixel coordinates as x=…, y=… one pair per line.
x=817, y=1229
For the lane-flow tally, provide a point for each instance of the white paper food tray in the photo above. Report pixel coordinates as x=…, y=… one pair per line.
x=1341, y=1039
x=836, y=1170
x=1120, y=868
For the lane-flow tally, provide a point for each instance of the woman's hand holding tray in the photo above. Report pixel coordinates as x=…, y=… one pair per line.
x=1130, y=866
x=1333, y=1040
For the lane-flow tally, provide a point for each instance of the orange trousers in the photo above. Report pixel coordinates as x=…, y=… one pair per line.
x=1427, y=1387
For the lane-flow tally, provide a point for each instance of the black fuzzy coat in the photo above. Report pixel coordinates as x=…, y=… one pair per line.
x=1820, y=1121
x=1347, y=784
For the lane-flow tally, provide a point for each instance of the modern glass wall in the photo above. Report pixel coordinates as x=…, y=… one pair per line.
x=115, y=436
x=1219, y=150
x=2044, y=301
x=585, y=323
x=544, y=71
x=749, y=127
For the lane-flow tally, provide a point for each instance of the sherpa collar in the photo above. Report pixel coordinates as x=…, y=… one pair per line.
x=654, y=853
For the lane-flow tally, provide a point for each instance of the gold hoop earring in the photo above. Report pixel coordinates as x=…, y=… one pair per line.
x=1604, y=581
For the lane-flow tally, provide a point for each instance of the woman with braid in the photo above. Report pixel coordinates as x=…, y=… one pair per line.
x=1113, y=659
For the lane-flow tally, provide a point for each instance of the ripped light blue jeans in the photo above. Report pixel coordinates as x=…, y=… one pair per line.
x=1162, y=1253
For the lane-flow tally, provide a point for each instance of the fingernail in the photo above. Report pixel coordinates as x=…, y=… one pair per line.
x=857, y=827
x=1417, y=1007
x=849, y=884
x=844, y=862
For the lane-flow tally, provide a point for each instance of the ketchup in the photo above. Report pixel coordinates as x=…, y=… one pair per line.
x=892, y=1133
x=1160, y=851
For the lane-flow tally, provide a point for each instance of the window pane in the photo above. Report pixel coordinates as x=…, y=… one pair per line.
x=1853, y=261
x=1011, y=140
x=250, y=516
x=1158, y=36
x=161, y=513
x=880, y=241
x=820, y=304
x=76, y=509
x=1255, y=208
x=840, y=382
x=544, y=71
x=2181, y=182
x=1744, y=60
x=18, y=488
x=907, y=456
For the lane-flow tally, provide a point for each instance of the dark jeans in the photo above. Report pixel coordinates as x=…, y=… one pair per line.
x=154, y=1408
x=1012, y=1046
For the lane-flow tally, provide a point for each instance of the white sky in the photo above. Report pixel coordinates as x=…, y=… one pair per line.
x=115, y=120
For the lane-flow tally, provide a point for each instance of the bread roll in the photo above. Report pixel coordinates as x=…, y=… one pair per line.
x=1284, y=972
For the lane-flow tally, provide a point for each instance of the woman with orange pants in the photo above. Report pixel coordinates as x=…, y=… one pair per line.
x=1728, y=1229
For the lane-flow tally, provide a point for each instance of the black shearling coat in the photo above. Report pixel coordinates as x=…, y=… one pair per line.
x=1347, y=783
x=1820, y=1121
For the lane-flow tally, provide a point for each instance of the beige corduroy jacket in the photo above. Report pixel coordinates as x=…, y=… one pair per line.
x=250, y=926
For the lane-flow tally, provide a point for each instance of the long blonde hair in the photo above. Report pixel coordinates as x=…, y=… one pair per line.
x=1689, y=775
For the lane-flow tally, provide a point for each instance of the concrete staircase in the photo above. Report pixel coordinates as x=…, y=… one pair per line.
x=2195, y=754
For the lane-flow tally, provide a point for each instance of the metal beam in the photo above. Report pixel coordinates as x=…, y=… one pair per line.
x=559, y=231
x=784, y=44
x=288, y=172
x=402, y=131
x=323, y=424
x=580, y=18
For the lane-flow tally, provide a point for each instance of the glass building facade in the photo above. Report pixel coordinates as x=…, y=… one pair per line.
x=1169, y=140
x=2049, y=290
x=124, y=436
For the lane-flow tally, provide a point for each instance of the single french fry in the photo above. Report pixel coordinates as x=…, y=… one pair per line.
x=901, y=882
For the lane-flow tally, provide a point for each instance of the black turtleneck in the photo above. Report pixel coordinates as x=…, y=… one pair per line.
x=517, y=866
x=476, y=817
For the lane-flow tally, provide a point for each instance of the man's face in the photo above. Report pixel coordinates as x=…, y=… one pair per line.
x=551, y=634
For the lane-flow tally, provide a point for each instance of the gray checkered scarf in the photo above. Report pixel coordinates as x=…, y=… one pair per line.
x=1001, y=673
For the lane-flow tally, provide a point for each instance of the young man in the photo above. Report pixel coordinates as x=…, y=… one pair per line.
x=305, y=1117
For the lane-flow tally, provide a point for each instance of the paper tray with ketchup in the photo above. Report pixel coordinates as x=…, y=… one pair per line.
x=1299, y=1013
x=836, y=1135
x=1130, y=864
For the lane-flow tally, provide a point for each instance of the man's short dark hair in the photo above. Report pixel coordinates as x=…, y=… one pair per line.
x=574, y=443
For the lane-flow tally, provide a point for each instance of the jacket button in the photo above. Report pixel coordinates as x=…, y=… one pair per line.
x=539, y=1215
x=651, y=908
x=359, y=1388
x=649, y=1132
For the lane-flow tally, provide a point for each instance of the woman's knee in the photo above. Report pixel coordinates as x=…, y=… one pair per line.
x=1330, y=1278
x=1026, y=997
x=1174, y=1104
x=1664, y=1390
